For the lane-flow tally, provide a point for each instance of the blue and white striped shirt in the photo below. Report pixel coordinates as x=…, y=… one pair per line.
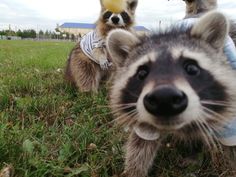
x=90, y=41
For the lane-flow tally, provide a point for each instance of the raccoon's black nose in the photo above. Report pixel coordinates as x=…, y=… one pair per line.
x=115, y=19
x=165, y=101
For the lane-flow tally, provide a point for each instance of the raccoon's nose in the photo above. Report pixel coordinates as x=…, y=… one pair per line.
x=115, y=19
x=165, y=101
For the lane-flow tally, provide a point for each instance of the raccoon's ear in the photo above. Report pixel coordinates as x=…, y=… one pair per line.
x=213, y=28
x=132, y=5
x=119, y=44
x=102, y=6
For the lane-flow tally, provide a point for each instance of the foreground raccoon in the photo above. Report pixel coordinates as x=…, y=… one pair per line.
x=177, y=82
x=88, y=62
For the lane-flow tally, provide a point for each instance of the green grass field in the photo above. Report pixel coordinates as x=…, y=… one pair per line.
x=49, y=129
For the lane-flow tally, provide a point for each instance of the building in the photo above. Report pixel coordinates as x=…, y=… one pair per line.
x=79, y=29
x=10, y=37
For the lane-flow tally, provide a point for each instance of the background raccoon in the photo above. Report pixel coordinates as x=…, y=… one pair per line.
x=176, y=82
x=195, y=8
x=88, y=62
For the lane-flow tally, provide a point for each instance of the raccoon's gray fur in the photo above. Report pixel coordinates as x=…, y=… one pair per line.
x=174, y=82
x=195, y=8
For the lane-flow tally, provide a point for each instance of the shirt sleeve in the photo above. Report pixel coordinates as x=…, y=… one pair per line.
x=230, y=51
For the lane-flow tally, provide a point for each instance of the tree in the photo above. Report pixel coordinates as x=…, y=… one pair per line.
x=73, y=37
x=29, y=33
x=57, y=28
x=3, y=33
x=41, y=34
x=32, y=33
x=47, y=34
x=67, y=36
x=19, y=33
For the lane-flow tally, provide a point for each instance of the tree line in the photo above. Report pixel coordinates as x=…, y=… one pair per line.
x=31, y=33
x=23, y=34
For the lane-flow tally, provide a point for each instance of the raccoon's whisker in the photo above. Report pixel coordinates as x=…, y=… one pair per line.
x=212, y=117
x=127, y=104
x=124, y=106
x=132, y=120
x=207, y=131
x=212, y=130
x=114, y=111
x=115, y=105
x=118, y=110
x=212, y=141
x=207, y=134
x=213, y=113
x=125, y=117
x=205, y=138
x=220, y=122
x=217, y=142
x=122, y=109
x=216, y=103
x=121, y=120
x=128, y=121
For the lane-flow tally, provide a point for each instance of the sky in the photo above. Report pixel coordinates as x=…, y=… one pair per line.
x=45, y=14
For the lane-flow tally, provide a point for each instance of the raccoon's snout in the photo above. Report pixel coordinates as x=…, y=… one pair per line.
x=165, y=101
x=115, y=20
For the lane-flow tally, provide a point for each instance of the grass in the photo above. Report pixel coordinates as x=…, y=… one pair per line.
x=49, y=129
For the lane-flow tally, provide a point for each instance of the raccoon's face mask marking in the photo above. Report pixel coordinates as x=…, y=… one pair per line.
x=122, y=19
x=172, y=82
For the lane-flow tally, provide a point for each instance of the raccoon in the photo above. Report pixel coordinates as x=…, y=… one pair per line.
x=88, y=62
x=174, y=82
x=195, y=8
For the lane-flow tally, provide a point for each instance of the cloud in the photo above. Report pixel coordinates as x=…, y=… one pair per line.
x=45, y=14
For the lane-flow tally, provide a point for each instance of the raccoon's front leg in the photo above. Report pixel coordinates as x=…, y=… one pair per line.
x=140, y=155
x=101, y=56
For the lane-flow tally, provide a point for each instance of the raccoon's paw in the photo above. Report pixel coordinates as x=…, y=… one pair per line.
x=7, y=171
x=104, y=64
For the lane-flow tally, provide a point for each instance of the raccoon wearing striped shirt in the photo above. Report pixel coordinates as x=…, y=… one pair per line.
x=88, y=63
x=175, y=82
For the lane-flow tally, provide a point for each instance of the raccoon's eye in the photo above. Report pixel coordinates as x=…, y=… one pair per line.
x=142, y=72
x=107, y=15
x=189, y=1
x=125, y=17
x=191, y=67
